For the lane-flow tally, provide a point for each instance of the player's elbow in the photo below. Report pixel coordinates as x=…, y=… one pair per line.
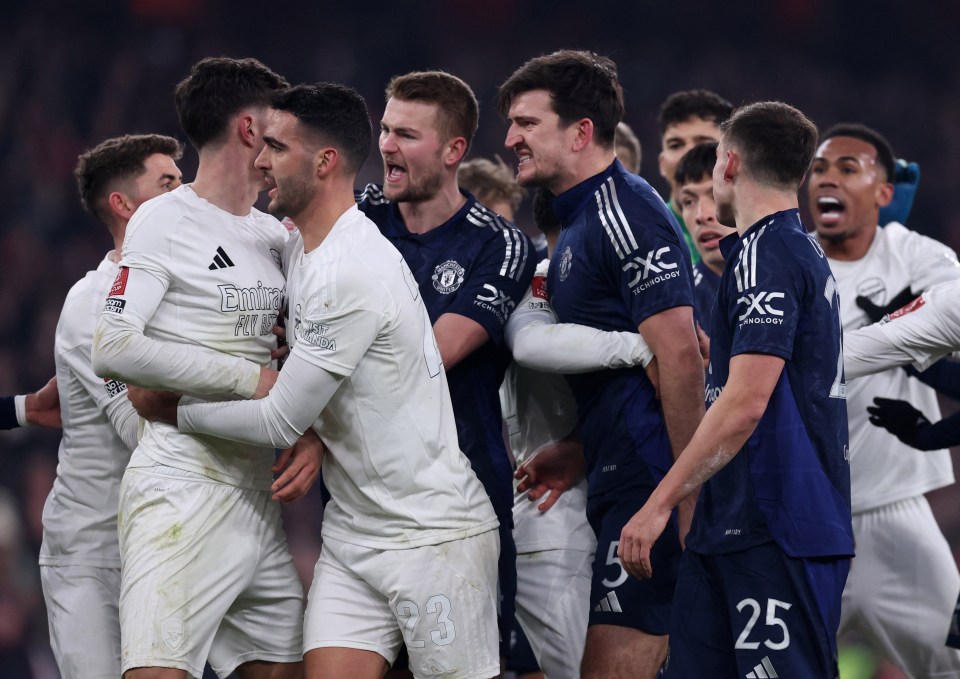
x=106, y=352
x=526, y=351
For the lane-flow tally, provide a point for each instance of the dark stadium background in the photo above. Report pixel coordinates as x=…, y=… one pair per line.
x=74, y=73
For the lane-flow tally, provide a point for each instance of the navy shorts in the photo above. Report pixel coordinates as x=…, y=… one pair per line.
x=616, y=598
x=756, y=613
x=521, y=659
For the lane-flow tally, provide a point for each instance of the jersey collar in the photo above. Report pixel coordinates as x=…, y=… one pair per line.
x=572, y=201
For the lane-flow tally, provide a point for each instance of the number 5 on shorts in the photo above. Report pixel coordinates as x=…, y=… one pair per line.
x=611, y=560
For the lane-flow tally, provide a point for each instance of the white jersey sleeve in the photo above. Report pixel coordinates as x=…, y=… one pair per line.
x=921, y=333
x=301, y=392
x=122, y=351
x=540, y=343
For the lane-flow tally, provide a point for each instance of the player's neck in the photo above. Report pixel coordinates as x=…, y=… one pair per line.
x=851, y=247
x=319, y=217
x=756, y=202
x=225, y=178
x=581, y=166
x=426, y=215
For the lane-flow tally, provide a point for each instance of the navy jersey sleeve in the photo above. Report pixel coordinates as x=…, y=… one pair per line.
x=496, y=281
x=643, y=246
x=766, y=298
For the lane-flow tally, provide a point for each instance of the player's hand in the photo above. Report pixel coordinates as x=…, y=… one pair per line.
x=876, y=313
x=156, y=406
x=899, y=418
x=703, y=342
x=552, y=470
x=637, y=538
x=298, y=467
x=268, y=377
x=653, y=374
x=283, y=349
x=43, y=406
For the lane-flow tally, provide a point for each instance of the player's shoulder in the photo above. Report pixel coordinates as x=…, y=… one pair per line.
x=489, y=225
x=900, y=239
x=277, y=233
x=81, y=306
x=543, y=267
x=159, y=216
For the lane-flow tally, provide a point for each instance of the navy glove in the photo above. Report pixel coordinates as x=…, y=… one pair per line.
x=876, y=313
x=900, y=419
x=905, y=181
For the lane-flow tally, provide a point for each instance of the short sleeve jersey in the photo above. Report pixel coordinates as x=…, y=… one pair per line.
x=394, y=469
x=225, y=286
x=705, y=286
x=619, y=259
x=80, y=514
x=476, y=265
x=790, y=482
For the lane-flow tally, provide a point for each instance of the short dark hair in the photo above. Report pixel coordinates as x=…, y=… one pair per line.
x=458, y=112
x=680, y=107
x=543, y=214
x=776, y=141
x=115, y=161
x=218, y=88
x=581, y=85
x=335, y=113
x=491, y=181
x=885, y=156
x=625, y=138
x=696, y=164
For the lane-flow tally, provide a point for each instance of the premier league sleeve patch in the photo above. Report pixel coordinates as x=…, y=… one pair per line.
x=120, y=282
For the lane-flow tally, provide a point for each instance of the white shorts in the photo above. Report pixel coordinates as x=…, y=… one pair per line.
x=439, y=600
x=84, y=619
x=553, y=604
x=902, y=588
x=206, y=575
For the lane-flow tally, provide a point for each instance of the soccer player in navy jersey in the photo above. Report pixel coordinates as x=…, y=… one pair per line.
x=472, y=268
x=694, y=196
x=620, y=264
x=760, y=583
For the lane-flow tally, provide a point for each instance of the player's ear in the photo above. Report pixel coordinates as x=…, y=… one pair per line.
x=120, y=205
x=455, y=150
x=731, y=167
x=326, y=159
x=585, y=130
x=884, y=194
x=246, y=128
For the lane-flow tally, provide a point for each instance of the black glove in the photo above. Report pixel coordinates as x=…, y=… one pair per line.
x=899, y=418
x=876, y=313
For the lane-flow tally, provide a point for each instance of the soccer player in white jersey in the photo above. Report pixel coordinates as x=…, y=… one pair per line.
x=920, y=333
x=206, y=574
x=409, y=536
x=79, y=556
x=904, y=581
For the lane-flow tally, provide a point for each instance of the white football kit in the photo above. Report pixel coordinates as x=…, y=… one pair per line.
x=409, y=533
x=555, y=548
x=206, y=574
x=904, y=582
x=920, y=333
x=80, y=555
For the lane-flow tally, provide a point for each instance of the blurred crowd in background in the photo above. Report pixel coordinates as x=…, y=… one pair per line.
x=76, y=73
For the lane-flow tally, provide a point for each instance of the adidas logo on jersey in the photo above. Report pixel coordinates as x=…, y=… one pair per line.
x=608, y=604
x=220, y=260
x=763, y=671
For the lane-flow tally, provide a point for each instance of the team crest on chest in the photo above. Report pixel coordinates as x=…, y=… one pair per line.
x=566, y=261
x=447, y=277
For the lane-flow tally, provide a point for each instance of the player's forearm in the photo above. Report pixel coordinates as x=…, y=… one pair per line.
x=124, y=420
x=681, y=395
x=123, y=352
x=942, y=434
x=724, y=429
x=567, y=348
x=292, y=406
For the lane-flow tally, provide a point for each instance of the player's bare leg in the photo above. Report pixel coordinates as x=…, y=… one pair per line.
x=344, y=663
x=622, y=653
x=258, y=669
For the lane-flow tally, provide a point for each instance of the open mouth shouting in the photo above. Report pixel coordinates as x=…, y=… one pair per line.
x=829, y=210
x=393, y=172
